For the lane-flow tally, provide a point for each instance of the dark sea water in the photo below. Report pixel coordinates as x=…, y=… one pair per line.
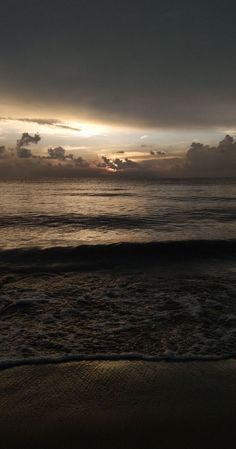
x=101, y=268
x=74, y=212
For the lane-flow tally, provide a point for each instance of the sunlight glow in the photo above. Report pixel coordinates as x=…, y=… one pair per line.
x=88, y=129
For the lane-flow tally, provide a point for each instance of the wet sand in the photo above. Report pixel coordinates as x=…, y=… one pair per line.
x=119, y=404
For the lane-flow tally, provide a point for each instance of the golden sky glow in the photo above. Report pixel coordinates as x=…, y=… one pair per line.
x=92, y=138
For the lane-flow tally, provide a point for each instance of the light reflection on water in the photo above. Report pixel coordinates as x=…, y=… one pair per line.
x=73, y=212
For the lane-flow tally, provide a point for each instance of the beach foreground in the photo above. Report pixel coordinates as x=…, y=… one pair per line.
x=119, y=404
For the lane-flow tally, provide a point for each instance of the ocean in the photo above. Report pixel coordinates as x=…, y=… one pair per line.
x=116, y=268
x=74, y=212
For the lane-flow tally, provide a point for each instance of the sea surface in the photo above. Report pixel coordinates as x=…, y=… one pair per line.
x=102, y=268
x=73, y=212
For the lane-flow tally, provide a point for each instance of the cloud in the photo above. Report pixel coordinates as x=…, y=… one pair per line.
x=157, y=153
x=20, y=151
x=26, y=139
x=24, y=152
x=59, y=153
x=43, y=121
x=19, y=162
x=2, y=151
x=168, y=81
x=118, y=164
x=71, y=128
x=81, y=162
x=199, y=161
x=40, y=168
x=212, y=161
x=56, y=153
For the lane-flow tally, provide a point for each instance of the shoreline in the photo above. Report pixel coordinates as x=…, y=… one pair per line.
x=170, y=358
x=119, y=404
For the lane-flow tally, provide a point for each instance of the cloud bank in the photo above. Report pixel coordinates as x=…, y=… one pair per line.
x=199, y=161
x=217, y=161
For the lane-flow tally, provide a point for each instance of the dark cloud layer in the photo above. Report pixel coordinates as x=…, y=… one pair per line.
x=158, y=62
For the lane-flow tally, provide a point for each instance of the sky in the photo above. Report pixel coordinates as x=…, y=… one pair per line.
x=122, y=80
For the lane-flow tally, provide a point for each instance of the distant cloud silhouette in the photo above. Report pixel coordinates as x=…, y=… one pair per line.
x=219, y=160
x=81, y=162
x=161, y=153
x=157, y=153
x=43, y=121
x=26, y=139
x=199, y=161
x=57, y=153
x=24, y=152
x=2, y=151
x=117, y=164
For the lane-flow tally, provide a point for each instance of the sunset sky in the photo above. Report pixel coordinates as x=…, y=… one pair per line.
x=110, y=78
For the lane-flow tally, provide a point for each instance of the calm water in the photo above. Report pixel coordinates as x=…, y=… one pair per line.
x=73, y=212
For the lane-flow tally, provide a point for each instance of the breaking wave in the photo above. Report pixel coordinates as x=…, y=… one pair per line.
x=60, y=304
x=111, y=254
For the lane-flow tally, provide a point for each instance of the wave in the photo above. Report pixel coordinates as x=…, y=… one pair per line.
x=133, y=356
x=154, y=219
x=109, y=255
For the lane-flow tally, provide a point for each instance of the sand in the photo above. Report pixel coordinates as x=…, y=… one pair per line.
x=119, y=404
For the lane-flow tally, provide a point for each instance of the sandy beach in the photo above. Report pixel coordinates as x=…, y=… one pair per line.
x=119, y=404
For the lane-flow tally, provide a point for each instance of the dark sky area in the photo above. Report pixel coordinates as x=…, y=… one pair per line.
x=118, y=86
x=148, y=63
